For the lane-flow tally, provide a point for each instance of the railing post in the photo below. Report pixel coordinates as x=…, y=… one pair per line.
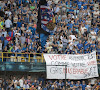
x=29, y=58
x=16, y=57
x=42, y=57
x=2, y=56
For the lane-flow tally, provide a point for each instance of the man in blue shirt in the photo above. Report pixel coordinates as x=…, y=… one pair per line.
x=79, y=4
x=19, y=23
x=83, y=85
x=72, y=85
x=78, y=85
x=85, y=4
x=86, y=45
x=92, y=46
x=19, y=2
x=80, y=45
x=96, y=29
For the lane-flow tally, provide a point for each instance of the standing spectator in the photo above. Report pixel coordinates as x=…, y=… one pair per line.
x=26, y=86
x=8, y=38
x=4, y=32
x=56, y=9
x=28, y=80
x=83, y=85
x=22, y=40
x=89, y=87
x=15, y=20
x=8, y=12
x=21, y=81
x=15, y=81
x=8, y=24
x=0, y=46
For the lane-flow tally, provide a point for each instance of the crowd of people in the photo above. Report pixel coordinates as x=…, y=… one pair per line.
x=29, y=83
x=76, y=31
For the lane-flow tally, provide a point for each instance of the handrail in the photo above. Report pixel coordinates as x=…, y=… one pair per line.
x=25, y=57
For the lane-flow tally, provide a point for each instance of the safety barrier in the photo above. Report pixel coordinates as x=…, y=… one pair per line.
x=26, y=57
x=21, y=57
x=97, y=88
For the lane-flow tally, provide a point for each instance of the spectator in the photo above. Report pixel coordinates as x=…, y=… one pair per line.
x=83, y=85
x=26, y=86
x=88, y=87
x=0, y=46
x=21, y=81
x=4, y=32
x=8, y=24
x=77, y=26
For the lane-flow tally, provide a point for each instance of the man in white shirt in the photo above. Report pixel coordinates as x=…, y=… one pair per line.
x=96, y=13
x=0, y=46
x=72, y=37
x=93, y=80
x=8, y=24
x=56, y=9
x=93, y=34
x=49, y=2
x=82, y=28
x=8, y=12
x=26, y=86
x=22, y=39
x=15, y=81
x=89, y=87
x=21, y=81
x=56, y=1
x=4, y=32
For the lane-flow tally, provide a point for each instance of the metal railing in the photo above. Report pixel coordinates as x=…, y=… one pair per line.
x=26, y=57
x=21, y=57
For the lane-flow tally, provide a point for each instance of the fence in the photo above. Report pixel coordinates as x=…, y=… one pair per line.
x=21, y=57
x=26, y=57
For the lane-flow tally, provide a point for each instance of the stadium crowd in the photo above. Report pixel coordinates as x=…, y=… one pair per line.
x=76, y=32
x=14, y=83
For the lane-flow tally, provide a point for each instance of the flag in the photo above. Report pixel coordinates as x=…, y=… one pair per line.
x=45, y=18
x=45, y=25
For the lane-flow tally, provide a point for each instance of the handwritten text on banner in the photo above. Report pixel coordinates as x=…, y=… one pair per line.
x=77, y=66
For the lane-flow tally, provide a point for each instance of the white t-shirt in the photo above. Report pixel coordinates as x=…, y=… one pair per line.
x=93, y=81
x=47, y=44
x=39, y=88
x=8, y=23
x=96, y=13
x=21, y=82
x=92, y=36
x=55, y=1
x=60, y=47
x=56, y=9
x=15, y=81
x=82, y=30
x=26, y=86
x=8, y=13
x=5, y=33
x=49, y=2
x=72, y=37
x=88, y=87
x=0, y=46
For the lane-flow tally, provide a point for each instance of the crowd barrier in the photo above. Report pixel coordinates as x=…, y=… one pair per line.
x=26, y=57
x=21, y=57
x=97, y=88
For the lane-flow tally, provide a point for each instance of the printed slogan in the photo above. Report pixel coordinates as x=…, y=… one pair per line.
x=75, y=66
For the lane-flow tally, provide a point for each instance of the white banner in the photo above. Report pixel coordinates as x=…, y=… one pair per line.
x=77, y=66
